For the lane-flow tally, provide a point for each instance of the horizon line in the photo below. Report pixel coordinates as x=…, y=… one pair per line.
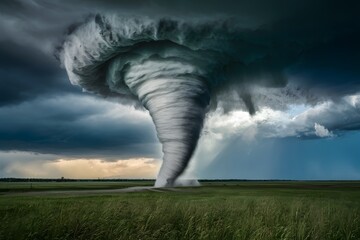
x=63, y=179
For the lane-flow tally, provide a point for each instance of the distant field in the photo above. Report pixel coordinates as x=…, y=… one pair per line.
x=8, y=187
x=216, y=210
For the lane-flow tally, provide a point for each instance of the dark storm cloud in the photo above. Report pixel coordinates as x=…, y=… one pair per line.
x=23, y=78
x=312, y=44
x=331, y=68
x=325, y=35
x=74, y=125
x=39, y=109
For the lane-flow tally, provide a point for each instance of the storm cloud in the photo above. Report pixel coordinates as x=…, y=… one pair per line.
x=283, y=55
x=90, y=126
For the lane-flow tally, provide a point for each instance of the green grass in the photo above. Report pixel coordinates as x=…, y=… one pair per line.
x=236, y=210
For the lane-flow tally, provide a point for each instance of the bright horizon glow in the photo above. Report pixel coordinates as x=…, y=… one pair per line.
x=134, y=168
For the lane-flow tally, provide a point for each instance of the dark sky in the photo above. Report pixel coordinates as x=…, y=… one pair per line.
x=316, y=107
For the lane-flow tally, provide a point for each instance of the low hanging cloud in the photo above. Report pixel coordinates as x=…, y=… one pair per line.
x=77, y=125
x=321, y=131
x=320, y=120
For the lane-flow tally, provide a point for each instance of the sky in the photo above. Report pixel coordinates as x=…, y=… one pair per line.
x=291, y=109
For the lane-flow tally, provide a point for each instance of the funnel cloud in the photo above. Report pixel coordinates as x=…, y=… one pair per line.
x=178, y=70
x=149, y=61
x=174, y=69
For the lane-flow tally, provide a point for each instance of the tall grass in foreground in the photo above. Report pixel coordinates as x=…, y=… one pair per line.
x=210, y=215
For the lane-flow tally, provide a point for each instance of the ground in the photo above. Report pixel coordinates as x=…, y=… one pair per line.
x=216, y=210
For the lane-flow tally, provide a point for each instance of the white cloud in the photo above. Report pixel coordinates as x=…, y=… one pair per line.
x=321, y=131
x=297, y=121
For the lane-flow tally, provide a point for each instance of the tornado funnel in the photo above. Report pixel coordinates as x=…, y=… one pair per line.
x=177, y=107
x=172, y=68
x=177, y=100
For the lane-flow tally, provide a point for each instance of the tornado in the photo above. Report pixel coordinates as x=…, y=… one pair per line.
x=177, y=103
x=171, y=68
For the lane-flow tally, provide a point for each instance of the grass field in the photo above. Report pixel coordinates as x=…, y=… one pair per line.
x=216, y=210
